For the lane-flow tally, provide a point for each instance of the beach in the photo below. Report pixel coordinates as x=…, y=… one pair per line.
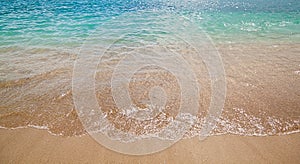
x=261, y=99
x=120, y=82
x=38, y=146
x=244, y=132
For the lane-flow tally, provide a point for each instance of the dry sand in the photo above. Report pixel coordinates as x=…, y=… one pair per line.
x=38, y=146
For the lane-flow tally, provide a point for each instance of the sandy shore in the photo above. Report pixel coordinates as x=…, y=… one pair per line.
x=38, y=146
x=263, y=83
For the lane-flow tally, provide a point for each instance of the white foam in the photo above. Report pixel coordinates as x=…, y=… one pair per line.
x=297, y=72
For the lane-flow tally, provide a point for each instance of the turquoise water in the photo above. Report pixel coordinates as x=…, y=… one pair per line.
x=68, y=23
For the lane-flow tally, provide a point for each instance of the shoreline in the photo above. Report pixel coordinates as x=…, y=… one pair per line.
x=262, y=90
x=262, y=93
x=43, y=128
x=38, y=146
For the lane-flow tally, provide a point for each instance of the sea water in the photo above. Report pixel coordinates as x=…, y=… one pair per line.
x=258, y=40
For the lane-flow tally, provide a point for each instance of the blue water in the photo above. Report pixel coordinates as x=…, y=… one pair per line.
x=69, y=22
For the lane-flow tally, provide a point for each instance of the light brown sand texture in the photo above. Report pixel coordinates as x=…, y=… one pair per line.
x=261, y=111
x=37, y=146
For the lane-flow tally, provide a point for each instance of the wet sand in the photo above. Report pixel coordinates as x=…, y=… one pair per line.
x=262, y=98
x=263, y=91
x=38, y=146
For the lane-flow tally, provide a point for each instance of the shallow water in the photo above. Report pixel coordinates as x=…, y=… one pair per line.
x=255, y=104
x=259, y=46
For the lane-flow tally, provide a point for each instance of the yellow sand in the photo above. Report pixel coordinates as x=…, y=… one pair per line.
x=38, y=146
